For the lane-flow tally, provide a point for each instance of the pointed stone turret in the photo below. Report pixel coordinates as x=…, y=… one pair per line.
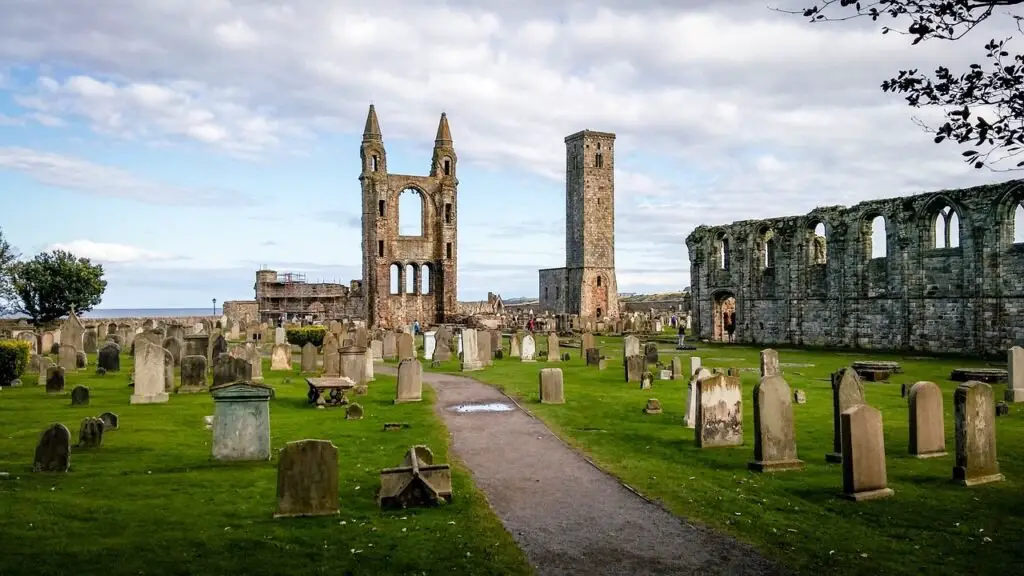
x=372, y=129
x=444, y=134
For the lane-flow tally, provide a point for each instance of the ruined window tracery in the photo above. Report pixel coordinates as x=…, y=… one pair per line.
x=395, y=285
x=410, y=213
x=819, y=244
x=875, y=238
x=374, y=162
x=947, y=228
x=766, y=247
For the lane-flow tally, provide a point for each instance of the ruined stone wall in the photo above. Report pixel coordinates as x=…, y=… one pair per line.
x=668, y=306
x=553, y=287
x=431, y=259
x=961, y=293
x=241, y=310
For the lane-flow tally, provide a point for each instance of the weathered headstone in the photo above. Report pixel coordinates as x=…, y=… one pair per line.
x=89, y=340
x=307, y=479
x=974, y=410
x=630, y=346
x=71, y=332
x=228, y=369
x=847, y=392
x=218, y=346
x=551, y=386
x=529, y=350
x=719, y=412
x=280, y=336
x=368, y=364
x=653, y=406
x=54, y=380
x=406, y=346
x=646, y=380
x=514, y=346
x=429, y=344
x=109, y=357
x=774, y=436
x=651, y=353
x=308, y=362
x=677, y=368
x=196, y=345
x=799, y=397
x=149, y=374
x=417, y=482
x=80, y=396
x=354, y=411
x=634, y=368
x=769, y=363
x=927, y=424
x=593, y=356
x=332, y=356
x=241, y=421
x=281, y=357
x=410, y=381
x=353, y=364
x=53, y=451
x=81, y=360
x=554, y=352
x=110, y=420
x=863, y=450
x=168, y=371
x=470, y=358
x=67, y=358
x=485, y=352
x=1015, y=375
x=90, y=433
x=174, y=346
x=193, y=374
x=586, y=342
x=390, y=346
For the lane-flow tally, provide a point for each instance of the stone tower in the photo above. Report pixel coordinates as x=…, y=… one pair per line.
x=591, y=287
x=390, y=260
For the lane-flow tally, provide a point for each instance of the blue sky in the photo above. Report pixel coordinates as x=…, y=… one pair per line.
x=186, y=144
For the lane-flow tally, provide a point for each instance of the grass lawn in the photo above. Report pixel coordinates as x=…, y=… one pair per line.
x=931, y=525
x=151, y=501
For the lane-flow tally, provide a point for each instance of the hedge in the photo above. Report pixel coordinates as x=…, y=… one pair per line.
x=13, y=360
x=299, y=336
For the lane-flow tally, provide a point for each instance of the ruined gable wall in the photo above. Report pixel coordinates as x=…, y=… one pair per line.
x=968, y=298
x=553, y=286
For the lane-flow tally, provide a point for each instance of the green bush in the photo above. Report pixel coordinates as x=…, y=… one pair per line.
x=13, y=360
x=299, y=336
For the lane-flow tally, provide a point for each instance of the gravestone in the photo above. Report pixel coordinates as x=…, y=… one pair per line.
x=653, y=406
x=54, y=380
x=551, y=386
x=470, y=359
x=429, y=344
x=53, y=451
x=410, y=381
x=974, y=411
x=485, y=352
x=307, y=479
x=377, y=348
x=255, y=359
x=586, y=343
x=651, y=353
x=280, y=337
x=177, y=331
x=149, y=376
x=196, y=345
x=529, y=350
x=362, y=337
x=769, y=363
x=81, y=360
x=863, y=450
x=774, y=436
x=228, y=369
x=90, y=433
x=308, y=362
x=390, y=346
x=719, y=412
x=927, y=425
x=174, y=346
x=406, y=346
x=495, y=341
x=646, y=380
x=110, y=420
x=168, y=371
x=89, y=340
x=353, y=364
x=109, y=357
x=218, y=346
x=193, y=374
x=634, y=368
x=799, y=397
x=368, y=364
x=281, y=357
x=67, y=358
x=593, y=356
x=630, y=346
x=80, y=396
x=1014, y=375
x=513, y=346
x=241, y=421
x=694, y=365
x=44, y=366
x=554, y=353
x=847, y=392
x=354, y=411
x=677, y=368
x=72, y=332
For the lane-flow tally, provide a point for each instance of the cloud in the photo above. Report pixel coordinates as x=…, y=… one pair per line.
x=58, y=170
x=112, y=253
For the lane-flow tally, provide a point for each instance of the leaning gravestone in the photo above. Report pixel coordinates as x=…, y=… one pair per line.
x=90, y=433
x=551, y=386
x=975, y=413
x=927, y=426
x=863, y=452
x=80, y=396
x=193, y=374
x=410, y=381
x=847, y=392
x=529, y=349
x=110, y=357
x=110, y=420
x=55, y=380
x=307, y=479
x=241, y=421
x=719, y=412
x=53, y=452
x=774, y=437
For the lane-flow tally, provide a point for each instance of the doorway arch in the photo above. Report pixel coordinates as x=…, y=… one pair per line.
x=723, y=314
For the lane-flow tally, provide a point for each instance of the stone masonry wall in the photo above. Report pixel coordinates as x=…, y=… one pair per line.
x=553, y=287
x=791, y=286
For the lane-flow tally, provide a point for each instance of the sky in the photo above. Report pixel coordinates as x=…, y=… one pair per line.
x=184, y=144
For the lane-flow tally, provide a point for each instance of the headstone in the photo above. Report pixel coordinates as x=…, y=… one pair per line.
x=774, y=436
x=653, y=406
x=307, y=479
x=81, y=360
x=67, y=358
x=174, y=346
x=1015, y=375
x=44, y=366
x=665, y=375
x=281, y=357
x=485, y=352
x=719, y=412
x=646, y=380
x=109, y=357
x=799, y=397
x=168, y=371
x=362, y=337
x=72, y=331
x=218, y=346
x=974, y=411
x=529, y=350
x=927, y=425
x=586, y=342
x=514, y=349
x=54, y=380
x=847, y=392
x=354, y=411
x=634, y=368
x=410, y=381
x=630, y=346
x=308, y=363
x=90, y=433
x=470, y=359
x=280, y=336
x=353, y=363
x=554, y=353
x=368, y=364
x=593, y=356
x=406, y=346
x=677, y=368
x=53, y=452
x=694, y=365
x=377, y=349
x=89, y=340
x=390, y=346
x=429, y=344
x=196, y=345
x=1002, y=409
x=863, y=452
x=241, y=421
x=80, y=396
x=149, y=376
x=651, y=353
x=551, y=386
x=110, y=420
x=193, y=374
x=769, y=363
x=228, y=369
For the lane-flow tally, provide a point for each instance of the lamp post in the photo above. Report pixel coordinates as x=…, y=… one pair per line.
x=214, y=306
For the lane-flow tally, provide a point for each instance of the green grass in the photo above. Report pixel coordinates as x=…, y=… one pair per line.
x=151, y=501
x=931, y=525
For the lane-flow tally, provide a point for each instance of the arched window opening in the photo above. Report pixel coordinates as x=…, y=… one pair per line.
x=425, y=279
x=1018, y=224
x=380, y=248
x=876, y=240
x=598, y=281
x=395, y=279
x=447, y=167
x=767, y=247
x=599, y=160
x=558, y=292
x=410, y=213
x=947, y=228
x=447, y=212
x=380, y=208
x=545, y=292
x=448, y=250
x=724, y=254
x=374, y=162
x=599, y=315
x=410, y=279
x=819, y=245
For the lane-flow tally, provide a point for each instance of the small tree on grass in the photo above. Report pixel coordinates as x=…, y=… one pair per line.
x=8, y=256
x=53, y=283
x=984, y=104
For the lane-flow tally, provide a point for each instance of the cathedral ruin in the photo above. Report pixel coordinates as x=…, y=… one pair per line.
x=948, y=278
x=586, y=286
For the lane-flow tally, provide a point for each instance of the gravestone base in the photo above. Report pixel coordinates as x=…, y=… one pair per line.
x=777, y=466
x=929, y=455
x=959, y=475
x=834, y=457
x=157, y=398
x=869, y=495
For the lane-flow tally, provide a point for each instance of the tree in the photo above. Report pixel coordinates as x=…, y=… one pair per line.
x=53, y=283
x=984, y=105
x=8, y=256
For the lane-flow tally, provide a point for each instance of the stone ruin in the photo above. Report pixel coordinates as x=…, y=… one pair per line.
x=417, y=482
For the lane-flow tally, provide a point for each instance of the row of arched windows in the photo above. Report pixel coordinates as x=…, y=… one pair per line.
x=945, y=233
x=405, y=280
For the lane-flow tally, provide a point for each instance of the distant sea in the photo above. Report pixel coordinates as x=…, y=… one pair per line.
x=144, y=312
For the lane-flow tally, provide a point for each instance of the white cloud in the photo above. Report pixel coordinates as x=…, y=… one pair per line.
x=113, y=253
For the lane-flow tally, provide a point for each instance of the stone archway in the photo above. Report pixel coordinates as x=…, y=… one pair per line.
x=724, y=306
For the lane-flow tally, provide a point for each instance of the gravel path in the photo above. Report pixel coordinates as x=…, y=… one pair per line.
x=568, y=516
